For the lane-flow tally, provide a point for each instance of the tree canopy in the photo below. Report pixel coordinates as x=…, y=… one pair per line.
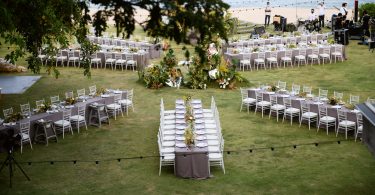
x=33, y=24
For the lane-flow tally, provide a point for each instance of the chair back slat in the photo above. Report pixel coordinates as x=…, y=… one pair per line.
x=8, y=112
x=55, y=100
x=81, y=92
x=39, y=103
x=307, y=89
x=66, y=114
x=92, y=90
x=69, y=94
x=322, y=110
x=354, y=99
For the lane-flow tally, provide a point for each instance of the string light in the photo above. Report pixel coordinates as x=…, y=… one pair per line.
x=228, y=152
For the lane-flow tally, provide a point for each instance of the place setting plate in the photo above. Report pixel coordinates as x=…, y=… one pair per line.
x=180, y=106
x=197, y=106
x=181, y=121
x=196, y=101
x=198, y=121
x=105, y=95
x=201, y=145
x=180, y=138
x=180, y=116
x=180, y=126
x=179, y=101
x=300, y=99
x=284, y=95
x=180, y=132
x=200, y=132
x=198, y=111
x=181, y=145
x=200, y=138
x=336, y=106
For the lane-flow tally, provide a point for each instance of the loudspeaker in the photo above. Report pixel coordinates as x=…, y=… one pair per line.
x=342, y=36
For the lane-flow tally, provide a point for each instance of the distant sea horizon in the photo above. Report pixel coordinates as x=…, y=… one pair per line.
x=284, y=3
x=300, y=3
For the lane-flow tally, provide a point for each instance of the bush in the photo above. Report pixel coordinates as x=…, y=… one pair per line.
x=369, y=7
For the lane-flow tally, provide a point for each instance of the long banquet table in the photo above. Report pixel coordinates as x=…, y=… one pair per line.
x=191, y=162
x=58, y=115
x=155, y=50
x=280, y=53
x=141, y=57
x=296, y=103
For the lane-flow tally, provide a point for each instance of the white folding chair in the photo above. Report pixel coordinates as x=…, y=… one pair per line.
x=359, y=126
x=275, y=107
x=324, y=119
x=79, y=119
x=246, y=100
x=25, y=134
x=301, y=57
x=345, y=124
x=128, y=101
x=287, y=58
x=307, y=115
x=73, y=58
x=272, y=60
x=25, y=110
x=314, y=56
x=354, y=99
x=130, y=61
x=64, y=124
x=55, y=100
x=109, y=60
x=92, y=90
x=326, y=55
x=61, y=58
x=323, y=94
x=290, y=111
x=338, y=53
x=119, y=61
x=246, y=62
x=261, y=104
x=95, y=60
x=260, y=60
x=115, y=108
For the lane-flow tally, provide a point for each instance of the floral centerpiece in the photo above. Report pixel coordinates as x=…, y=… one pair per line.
x=189, y=119
x=13, y=117
x=133, y=49
x=100, y=92
x=331, y=40
x=70, y=101
x=292, y=46
x=44, y=107
x=350, y=106
x=302, y=94
x=235, y=51
x=333, y=101
x=255, y=49
x=274, y=88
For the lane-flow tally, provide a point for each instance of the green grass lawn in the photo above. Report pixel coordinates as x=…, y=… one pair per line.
x=346, y=168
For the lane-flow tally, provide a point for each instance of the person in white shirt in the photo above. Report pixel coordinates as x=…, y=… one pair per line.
x=322, y=12
x=312, y=16
x=343, y=9
x=268, y=14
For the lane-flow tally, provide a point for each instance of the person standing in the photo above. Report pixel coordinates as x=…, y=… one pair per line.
x=312, y=16
x=365, y=23
x=268, y=14
x=343, y=9
x=322, y=11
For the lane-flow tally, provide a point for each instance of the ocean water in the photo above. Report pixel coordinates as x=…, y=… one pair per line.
x=292, y=3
